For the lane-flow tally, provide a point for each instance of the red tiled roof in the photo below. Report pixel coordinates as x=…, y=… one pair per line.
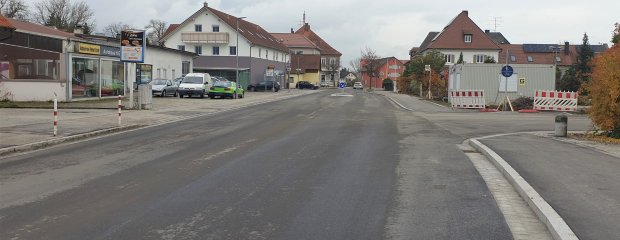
x=452, y=36
x=39, y=29
x=171, y=28
x=521, y=57
x=252, y=32
x=294, y=40
x=305, y=62
x=4, y=22
x=326, y=49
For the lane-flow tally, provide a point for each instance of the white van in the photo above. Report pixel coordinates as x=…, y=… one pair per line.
x=195, y=84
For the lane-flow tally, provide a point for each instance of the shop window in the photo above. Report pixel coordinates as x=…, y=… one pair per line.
x=24, y=63
x=85, y=78
x=112, y=78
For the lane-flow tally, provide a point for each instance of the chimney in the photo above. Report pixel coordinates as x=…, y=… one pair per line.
x=487, y=31
x=566, y=48
x=206, y=4
x=292, y=30
x=307, y=27
x=465, y=12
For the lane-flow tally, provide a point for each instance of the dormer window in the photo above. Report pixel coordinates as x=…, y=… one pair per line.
x=530, y=59
x=467, y=38
x=513, y=58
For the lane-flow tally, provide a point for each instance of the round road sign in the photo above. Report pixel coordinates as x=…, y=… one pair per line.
x=507, y=71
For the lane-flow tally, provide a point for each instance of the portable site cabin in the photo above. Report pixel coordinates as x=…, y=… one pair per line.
x=526, y=79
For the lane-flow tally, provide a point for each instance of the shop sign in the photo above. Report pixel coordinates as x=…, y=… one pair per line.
x=88, y=48
x=132, y=46
x=110, y=51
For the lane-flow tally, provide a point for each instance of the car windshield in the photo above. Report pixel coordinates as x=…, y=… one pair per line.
x=158, y=82
x=192, y=80
x=222, y=84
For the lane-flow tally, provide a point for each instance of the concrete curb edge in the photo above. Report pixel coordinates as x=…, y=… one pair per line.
x=397, y=103
x=71, y=138
x=554, y=222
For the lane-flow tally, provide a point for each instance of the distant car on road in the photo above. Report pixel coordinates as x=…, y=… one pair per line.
x=164, y=87
x=358, y=85
x=306, y=85
x=264, y=85
x=224, y=89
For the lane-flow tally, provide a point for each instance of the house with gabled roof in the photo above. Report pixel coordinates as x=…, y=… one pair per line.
x=330, y=57
x=305, y=55
x=462, y=35
x=213, y=35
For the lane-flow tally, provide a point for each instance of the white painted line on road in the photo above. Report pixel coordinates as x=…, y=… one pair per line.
x=554, y=222
x=397, y=103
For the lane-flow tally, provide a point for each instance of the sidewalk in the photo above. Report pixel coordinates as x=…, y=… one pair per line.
x=21, y=127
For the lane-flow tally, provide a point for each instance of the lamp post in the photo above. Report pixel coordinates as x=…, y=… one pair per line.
x=237, y=52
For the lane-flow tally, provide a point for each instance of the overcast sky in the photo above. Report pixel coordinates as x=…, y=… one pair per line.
x=390, y=27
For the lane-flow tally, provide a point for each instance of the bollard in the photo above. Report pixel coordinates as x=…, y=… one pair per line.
x=55, y=117
x=120, y=105
x=561, y=125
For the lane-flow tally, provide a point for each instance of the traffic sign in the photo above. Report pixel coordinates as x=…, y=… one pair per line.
x=342, y=85
x=507, y=71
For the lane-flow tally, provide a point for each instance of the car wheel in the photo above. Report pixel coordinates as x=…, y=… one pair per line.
x=212, y=97
x=163, y=93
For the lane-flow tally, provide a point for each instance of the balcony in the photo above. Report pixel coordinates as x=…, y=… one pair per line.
x=205, y=37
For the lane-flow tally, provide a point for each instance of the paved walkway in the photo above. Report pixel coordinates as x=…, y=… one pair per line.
x=20, y=126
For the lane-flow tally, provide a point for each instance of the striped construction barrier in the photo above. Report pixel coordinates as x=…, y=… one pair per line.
x=555, y=101
x=467, y=99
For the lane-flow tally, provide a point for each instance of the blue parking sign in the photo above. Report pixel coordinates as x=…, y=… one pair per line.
x=342, y=85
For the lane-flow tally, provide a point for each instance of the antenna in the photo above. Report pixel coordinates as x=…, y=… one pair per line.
x=496, y=22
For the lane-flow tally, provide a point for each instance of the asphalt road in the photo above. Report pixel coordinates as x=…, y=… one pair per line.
x=582, y=185
x=314, y=167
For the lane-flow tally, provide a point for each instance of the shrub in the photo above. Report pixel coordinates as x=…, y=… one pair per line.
x=604, y=90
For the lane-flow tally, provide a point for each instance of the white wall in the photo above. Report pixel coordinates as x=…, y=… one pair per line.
x=34, y=91
x=166, y=61
x=207, y=20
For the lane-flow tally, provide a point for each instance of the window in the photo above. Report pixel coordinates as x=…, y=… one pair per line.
x=174, y=73
x=449, y=58
x=216, y=28
x=467, y=38
x=322, y=78
x=558, y=59
x=530, y=59
x=216, y=51
x=479, y=58
x=185, y=67
x=181, y=47
x=323, y=61
x=233, y=51
x=266, y=54
x=198, y=28
x=159, y=73
x=198, y=50
x=513, y=58
x=165, y=73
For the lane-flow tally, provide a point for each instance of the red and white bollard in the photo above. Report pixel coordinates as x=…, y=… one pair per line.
x=55, y=117
x=120, y=105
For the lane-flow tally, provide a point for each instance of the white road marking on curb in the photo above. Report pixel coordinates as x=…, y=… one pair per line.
x=554, y=222
x=397, y=103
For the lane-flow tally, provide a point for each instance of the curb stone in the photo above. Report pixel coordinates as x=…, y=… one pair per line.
x=557, y=226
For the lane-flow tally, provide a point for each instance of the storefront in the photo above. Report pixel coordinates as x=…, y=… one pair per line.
x=96, y=71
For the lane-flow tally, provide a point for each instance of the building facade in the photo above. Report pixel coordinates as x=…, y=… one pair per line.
x=390, y=68
x=213, y=36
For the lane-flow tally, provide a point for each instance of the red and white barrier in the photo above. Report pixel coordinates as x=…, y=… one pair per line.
x=120, y=105
x=55, y=117
x=555, y=101
x=467, y=99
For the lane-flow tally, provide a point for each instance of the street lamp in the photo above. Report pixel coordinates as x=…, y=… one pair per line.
x=237, y=52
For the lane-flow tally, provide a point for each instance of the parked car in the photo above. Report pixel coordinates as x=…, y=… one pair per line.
x=358, y=85
x=195, y=84
x=178, y=81
x=264, y=85
x=306, y=85
x=218, y=78
x=224, y=89
x=164, y=87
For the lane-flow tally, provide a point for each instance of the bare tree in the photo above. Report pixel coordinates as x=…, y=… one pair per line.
x=65, y=15
x=370, y=63
x=115, y=29
x=155, y=30
x=355, y=66
x=14, y=9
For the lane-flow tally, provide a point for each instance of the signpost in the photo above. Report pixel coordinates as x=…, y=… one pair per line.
x=507, y=71
x=427, y=68
x=132, y=51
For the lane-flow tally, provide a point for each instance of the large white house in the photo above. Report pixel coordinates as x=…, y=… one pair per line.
x=213, y=35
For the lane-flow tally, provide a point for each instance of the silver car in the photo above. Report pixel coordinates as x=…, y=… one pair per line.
x=164, y=87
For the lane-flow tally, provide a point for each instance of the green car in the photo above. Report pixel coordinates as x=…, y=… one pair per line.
x=226, y=89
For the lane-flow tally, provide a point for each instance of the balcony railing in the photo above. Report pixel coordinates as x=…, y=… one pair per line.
x=205, y=37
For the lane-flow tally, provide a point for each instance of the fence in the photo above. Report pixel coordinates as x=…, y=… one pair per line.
x=467, y=99
x=555, y=101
